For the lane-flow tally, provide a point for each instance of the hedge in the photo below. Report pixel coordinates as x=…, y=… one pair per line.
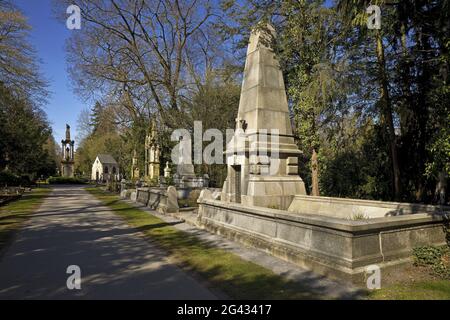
x=66, y=180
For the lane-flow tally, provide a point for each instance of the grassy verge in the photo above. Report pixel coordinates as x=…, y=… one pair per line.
x=428, y=278
x=15, y=213
x=237, y=278
x=423, y=290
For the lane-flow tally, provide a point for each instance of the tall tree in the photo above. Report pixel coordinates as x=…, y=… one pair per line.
x=137, y=51
x=19, y=70
x=26, y=146
x=354, y=13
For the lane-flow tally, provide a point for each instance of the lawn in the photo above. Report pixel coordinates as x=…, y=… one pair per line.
x=15, y=213
x=423, y=290
x=237, y=278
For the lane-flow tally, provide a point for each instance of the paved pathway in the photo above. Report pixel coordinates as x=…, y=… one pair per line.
x=73, y=228
x=309, y=283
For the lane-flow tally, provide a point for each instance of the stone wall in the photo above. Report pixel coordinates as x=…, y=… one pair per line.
x=351, y=208
x=338, y=248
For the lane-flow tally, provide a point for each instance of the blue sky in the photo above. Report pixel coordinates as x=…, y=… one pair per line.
x=48, y=37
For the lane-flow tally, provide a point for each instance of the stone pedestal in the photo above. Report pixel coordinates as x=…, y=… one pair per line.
x=67, y=169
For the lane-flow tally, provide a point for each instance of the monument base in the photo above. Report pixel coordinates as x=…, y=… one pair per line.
x=67, y=169
x=273, y=192
x=276, y=192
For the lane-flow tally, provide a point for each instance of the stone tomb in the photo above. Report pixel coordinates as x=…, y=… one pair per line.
x=340, y=248
x=269, y=209
x=164, y=201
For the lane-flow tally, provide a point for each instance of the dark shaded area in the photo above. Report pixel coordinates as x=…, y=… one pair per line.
x=72, y=228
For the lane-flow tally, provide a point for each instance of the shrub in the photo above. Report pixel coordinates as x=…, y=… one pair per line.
x=25, y=181
x=437, y=258
x=9, y=179
x=359, y=216
x=66, y=180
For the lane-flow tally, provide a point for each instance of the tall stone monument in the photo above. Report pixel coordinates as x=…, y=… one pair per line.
x=185, y=168
x=185, y=177
x=262, y=157
x=167, y=171
x=135, y=174
x=68, y=155
x=152, y=154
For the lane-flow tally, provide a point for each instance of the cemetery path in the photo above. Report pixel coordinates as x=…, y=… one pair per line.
x=73, y=228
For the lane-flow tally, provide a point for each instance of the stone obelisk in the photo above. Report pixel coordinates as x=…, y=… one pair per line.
x=262, y=157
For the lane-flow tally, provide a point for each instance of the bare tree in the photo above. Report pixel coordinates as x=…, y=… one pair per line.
x=18, y=64
x=137, y=51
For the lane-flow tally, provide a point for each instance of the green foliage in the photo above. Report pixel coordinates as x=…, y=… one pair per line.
x=346, y=91
x=356, y=165
x=25, y=146
x=439, y=147
x=104, y=138
x=359, y=217
x=437, y=258
x=9, y=179
x=416, y=290
x=153, y=182
x=66, y=180
x=169, y=181
x=25, y=134
x=215, y=103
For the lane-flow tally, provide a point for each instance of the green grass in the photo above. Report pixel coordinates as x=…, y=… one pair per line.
x=237, y=278
x=424, y=290
x=13, y=214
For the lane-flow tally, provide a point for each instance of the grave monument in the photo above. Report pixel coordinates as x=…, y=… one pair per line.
x=262, y=157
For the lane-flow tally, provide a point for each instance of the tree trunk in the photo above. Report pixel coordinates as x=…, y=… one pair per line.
x=406, y=100
x=441, y=188
x=386, y=113
x=315, y=174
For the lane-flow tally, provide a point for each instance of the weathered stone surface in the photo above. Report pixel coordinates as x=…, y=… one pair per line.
x=156, y=198
x=216, y=195
x=172, y=200
x=339, y=248
x=143, y=195
x=263, y=126
x=355, y=208
x=133, y=196
x=205, y=194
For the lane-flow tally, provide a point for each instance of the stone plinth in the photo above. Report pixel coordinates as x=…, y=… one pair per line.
x=338, y=248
